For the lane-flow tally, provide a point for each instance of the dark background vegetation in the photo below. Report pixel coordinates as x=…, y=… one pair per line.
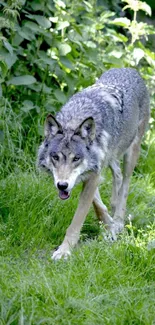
x=51, y=49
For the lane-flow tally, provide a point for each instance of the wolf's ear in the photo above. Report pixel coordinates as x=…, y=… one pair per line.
x=52, y=126
x=87, y=129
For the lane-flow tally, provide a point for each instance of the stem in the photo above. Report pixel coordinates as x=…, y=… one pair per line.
x=133, y=32
x=135, y=16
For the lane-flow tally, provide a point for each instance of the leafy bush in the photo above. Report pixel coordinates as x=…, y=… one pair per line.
x=48, y=51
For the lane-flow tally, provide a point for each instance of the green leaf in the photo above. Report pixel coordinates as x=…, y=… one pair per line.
x=1, y=136
x=49, y=107
x=62, y=25
x=88, y=5
x=37, y=6
x=145, y=7
x=42, y=21
x=28, y=103
x=8, y=46
x=90, y=44
x=39, y=87
x=60, y=4
x=1, y=92
x=54, y=19
x=46, y=59
x=150, y=57
x=27, y=34
x=22, y=80
x=138, y=54
x=17, y=40
x=116, y=53
x=67, y=63
x=41, y=130
x=27, y=106
x=120, y=38
x=3, y=69
x=124, y=22
x=138, y=5
x=10, y=60
x=46, y=89
x=60, y=96
x=33, y=27
x=64, y=49
x=113, y=61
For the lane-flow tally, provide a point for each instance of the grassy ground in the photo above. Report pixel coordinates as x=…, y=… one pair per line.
x=102, y=283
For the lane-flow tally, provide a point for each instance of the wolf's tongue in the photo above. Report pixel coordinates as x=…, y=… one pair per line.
x=64, y=195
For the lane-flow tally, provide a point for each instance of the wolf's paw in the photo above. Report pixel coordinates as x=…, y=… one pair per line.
x=110, y=234
x=115, y=229
x=63, y=251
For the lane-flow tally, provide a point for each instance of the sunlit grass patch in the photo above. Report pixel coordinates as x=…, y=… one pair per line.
x=100, y=284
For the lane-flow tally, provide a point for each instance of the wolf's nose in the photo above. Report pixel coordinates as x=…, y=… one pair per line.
x=62, y=186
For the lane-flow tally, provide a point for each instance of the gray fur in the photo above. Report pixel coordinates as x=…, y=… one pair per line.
x=98, y=125
x=117, y=102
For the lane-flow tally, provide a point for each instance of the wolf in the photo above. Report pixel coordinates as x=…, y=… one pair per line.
x=95, y=129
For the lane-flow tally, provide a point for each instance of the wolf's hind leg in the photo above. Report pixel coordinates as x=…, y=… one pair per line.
x=101, y=210
x=73, y=231
x=117, y=182
x=129, y=163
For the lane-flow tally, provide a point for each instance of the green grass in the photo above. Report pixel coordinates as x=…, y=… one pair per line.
x=102, y=283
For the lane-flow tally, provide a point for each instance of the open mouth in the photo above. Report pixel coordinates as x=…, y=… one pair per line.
x=64, y=195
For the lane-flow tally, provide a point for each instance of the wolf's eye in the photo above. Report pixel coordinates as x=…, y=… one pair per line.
x=76, y=158
x=46, y=144
x=55, y=157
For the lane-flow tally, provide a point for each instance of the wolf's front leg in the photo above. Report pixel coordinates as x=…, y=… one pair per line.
x=73, y=231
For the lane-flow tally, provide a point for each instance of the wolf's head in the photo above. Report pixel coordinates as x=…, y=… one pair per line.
x=65, y=152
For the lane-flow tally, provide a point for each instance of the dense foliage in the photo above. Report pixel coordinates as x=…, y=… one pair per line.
x=49, y=50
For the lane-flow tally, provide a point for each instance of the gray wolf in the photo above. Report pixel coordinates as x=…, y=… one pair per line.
x=93, y=130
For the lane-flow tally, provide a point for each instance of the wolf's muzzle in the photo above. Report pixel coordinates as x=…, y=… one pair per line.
x=63, y=193
x=62, y=186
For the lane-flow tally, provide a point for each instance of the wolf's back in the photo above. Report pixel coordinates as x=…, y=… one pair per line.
x=130, y=84
x=117, y=102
